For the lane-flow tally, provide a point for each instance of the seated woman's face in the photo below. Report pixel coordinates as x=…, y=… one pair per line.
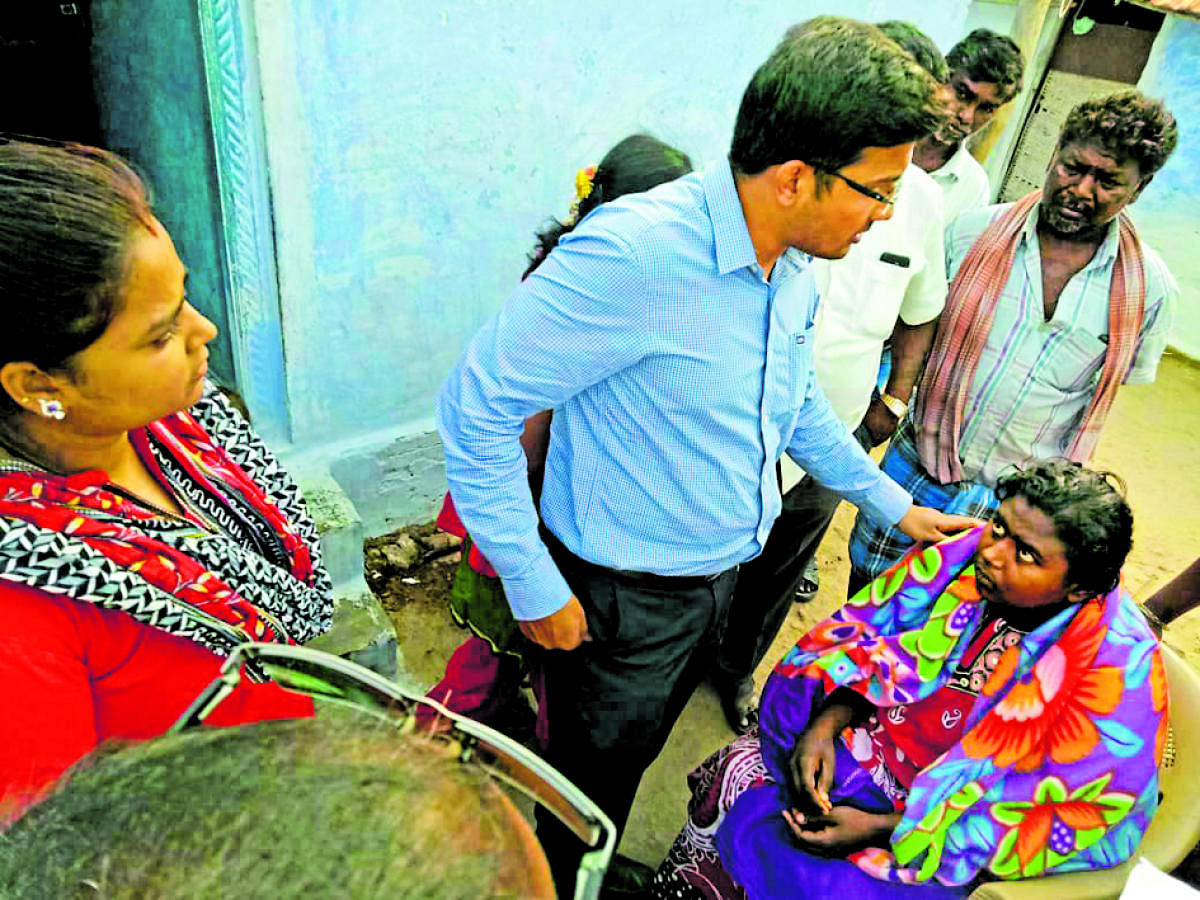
x=1020, y=560
x=151, y=359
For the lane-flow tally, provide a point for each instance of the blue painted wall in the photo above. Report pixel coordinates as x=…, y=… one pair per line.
x=1167, y=212
x=414, y=148
x=149, y=83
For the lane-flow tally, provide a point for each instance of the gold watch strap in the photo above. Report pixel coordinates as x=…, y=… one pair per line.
x=897, y=406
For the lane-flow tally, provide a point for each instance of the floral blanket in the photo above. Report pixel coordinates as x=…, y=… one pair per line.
x=1057, y=770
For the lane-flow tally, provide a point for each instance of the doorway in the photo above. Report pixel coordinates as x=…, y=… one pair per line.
x=1101, y=51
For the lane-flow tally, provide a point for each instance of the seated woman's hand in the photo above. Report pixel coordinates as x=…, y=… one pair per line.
x=842, y=830
x=812, y=760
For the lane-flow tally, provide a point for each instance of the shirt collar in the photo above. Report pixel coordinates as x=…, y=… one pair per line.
x=1107, y=250
x=731, y=237
x=952, y=168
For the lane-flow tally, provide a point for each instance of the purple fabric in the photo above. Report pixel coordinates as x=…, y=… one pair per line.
x=754, y=842
x=756, y=848
x=1056, y=770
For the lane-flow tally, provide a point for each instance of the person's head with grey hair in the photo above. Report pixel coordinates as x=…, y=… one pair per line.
x=336, y=806
x=1107, y=152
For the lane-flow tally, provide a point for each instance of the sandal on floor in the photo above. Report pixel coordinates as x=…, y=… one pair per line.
x=740, y=704
x=810, y=582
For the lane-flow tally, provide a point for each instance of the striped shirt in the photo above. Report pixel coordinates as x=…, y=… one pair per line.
x=678, y=375
x=1035, y=378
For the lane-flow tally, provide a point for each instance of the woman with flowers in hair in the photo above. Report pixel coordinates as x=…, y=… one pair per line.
x=484, y=675
x=991, y=707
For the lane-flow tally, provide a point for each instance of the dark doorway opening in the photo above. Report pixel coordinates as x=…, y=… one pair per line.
x=45, y=64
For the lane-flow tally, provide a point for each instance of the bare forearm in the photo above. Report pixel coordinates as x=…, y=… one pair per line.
x=910, y=346
x=1178, y=596
x=884, y=824
x=848, y=707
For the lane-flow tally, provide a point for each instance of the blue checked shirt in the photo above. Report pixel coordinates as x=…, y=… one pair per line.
x=677, y=375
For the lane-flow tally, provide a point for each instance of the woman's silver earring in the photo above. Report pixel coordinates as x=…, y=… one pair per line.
x=52, y=409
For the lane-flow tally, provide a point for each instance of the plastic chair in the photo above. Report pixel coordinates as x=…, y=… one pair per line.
x=1175, y=829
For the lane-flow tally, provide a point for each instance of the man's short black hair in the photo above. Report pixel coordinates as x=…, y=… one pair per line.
x=985, y=55
x=830, y=89
x=920, y=45
x=1089, y=512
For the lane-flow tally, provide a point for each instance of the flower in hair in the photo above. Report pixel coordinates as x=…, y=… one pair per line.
x=583, y=187
x=583, y=182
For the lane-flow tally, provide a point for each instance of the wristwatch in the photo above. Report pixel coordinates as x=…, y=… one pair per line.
x=895, y=405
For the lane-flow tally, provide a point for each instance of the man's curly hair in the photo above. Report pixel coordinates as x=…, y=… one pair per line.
x=1128, y=125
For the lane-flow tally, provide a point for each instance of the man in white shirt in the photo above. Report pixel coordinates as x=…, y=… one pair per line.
x=985, y=73
x=892, y=284
x=892, y=280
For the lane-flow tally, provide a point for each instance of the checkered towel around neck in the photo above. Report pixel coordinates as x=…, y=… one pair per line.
x=967, y=320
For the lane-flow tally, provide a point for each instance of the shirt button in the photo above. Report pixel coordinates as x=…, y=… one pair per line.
x=800, y=339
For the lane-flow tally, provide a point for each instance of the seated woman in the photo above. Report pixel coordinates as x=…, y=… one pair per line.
x=144, y=528
x=992, y=707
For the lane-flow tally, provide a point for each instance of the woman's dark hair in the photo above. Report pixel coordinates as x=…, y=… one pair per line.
x=919, y=44
x=1128, y=126
x=67, y=214
x=987, y=56
x=1090, y=514
x=636, y=164
x=832, y=88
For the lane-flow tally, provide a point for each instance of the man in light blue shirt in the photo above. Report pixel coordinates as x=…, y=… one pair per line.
x=671, y=332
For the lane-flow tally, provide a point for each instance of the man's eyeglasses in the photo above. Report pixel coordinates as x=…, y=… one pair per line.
x=862, y=188
x=336, y=680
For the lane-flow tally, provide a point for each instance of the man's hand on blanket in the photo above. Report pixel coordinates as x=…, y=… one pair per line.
x=562, y=630
x=813, y=757
x=842, y=830
x=923, y=523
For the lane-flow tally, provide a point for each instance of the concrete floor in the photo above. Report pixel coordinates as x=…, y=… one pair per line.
x=1150, y=441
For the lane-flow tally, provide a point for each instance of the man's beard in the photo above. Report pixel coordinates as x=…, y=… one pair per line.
x=1067, y=226
x=949, y=136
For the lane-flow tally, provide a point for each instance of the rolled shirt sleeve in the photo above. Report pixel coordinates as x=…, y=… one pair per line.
x=1162, y=296
x=925, y=296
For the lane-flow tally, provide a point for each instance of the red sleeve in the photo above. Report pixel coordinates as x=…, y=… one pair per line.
x=47, y=720
x=75, y=675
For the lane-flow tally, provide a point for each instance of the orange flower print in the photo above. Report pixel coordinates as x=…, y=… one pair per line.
x=1158, y=699
x=1055, y=824
x=1047, y=712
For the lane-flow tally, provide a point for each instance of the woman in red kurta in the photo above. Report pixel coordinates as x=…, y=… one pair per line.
x=144, y=529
